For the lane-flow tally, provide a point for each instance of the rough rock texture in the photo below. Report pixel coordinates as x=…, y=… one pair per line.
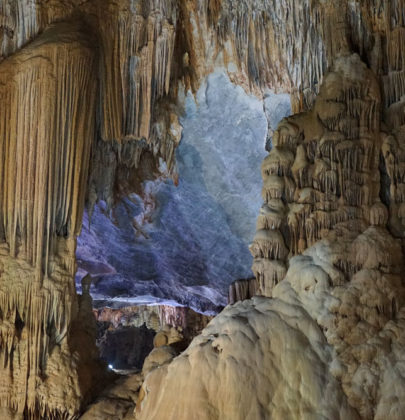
x=152, y=245
x=215, y=379
x=89, y=93
x=116, y=402
x=45, y=141
x=125, y=336
x=242, y=289
x=322, y=171
x=329, y=251
x=360, y=312
x=323, y=347
x=124, y=348
x=155, y=317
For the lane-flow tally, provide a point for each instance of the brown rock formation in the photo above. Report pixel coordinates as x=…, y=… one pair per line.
x=45, y=140
x=241, y=290
x=88, y=93
x=343, y=291
x=155, y=317
x=127, y=335
x=322, y=171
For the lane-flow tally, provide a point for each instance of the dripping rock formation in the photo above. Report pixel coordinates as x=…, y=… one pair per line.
x=131, y=137
x=325, y=255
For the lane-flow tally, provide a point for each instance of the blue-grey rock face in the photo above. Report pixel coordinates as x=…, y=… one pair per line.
x=195, y=242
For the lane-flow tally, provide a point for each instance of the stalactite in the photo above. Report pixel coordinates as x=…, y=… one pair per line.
x=25, y=344
x=271, y=215
x=48, y=92
x=273, y=188
x=331, y=155
x=378, y=215
x=286, y=135
x=45, y=153
x=143, y=49
x=242, y=289
x=268, y=274
x=300, y=168
x=277, y=163
x=322, y=174
x=269, y=244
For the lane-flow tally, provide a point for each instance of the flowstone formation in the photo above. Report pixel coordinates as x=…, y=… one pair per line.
x=330, y=341
x=45, y=143
x=92, y=96
x=323, y=171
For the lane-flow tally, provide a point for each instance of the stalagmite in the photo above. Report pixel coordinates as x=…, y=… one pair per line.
x=347, y=280
x=91, y=95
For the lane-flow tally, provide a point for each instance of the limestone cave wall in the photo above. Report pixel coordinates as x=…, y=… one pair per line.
x=91, y=95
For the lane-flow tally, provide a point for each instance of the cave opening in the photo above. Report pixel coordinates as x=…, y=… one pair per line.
x=173, y=243
x=180, y=241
